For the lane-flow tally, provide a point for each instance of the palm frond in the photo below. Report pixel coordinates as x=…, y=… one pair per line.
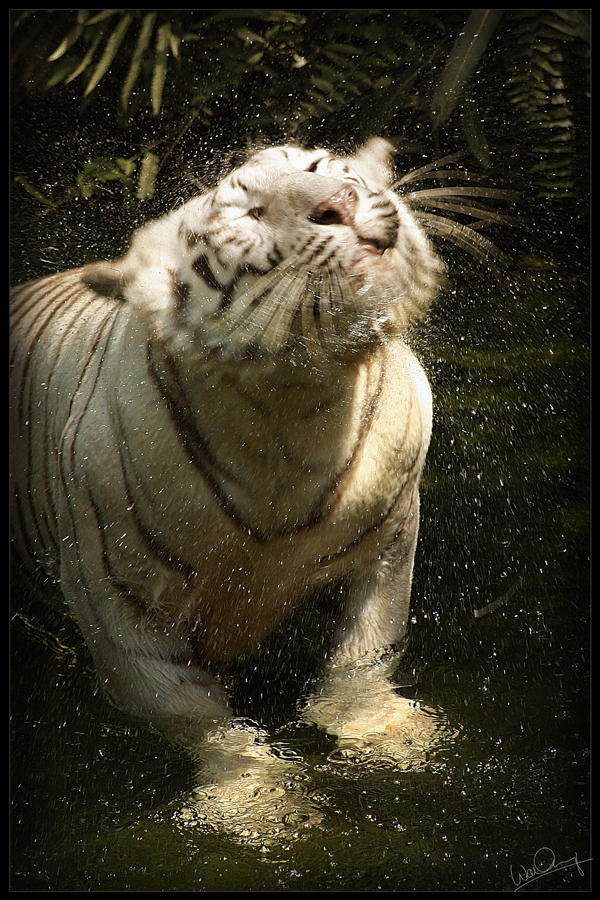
x=462, y=62
x=319, y=76
x=548, y=85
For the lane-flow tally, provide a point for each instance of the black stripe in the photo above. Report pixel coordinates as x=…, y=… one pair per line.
x=125, y=591
x=26, y=542
x=45, y=303
x=134, y=488
x=56, y=373
x=236, y=181
x=71, y=431
x=46, y=300
x=334, y=557
x=203, y=270
x=168, y=384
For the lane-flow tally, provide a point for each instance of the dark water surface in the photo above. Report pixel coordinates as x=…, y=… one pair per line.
x=100, y=802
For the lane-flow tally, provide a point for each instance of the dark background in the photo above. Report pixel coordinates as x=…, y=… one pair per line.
x=505, y=496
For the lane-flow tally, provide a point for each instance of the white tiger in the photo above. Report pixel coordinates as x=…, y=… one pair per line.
x=208, y=429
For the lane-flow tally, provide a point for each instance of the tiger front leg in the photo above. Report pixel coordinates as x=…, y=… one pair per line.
x=356, y=701
x=146, y=672
x=147, y=668
x=376, y=603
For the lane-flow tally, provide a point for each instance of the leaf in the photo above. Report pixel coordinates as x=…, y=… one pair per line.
x=110, y=51
x=160, y=66
x=575, y=22
x=88, y=56
x=342, y=62
x=143, y=40
x=127, y=166
x=37, y=194
x=248, y=36
x=101, y=16
x=174, y=42
x=326, y=87
x=61, y=72
x=147, y=179
x=72, y=37
x=462, y=62
x=348, y=49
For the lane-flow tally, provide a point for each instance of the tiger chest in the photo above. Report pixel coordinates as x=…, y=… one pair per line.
x=268, y=491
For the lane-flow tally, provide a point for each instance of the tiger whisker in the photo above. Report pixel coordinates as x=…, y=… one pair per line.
x=474, y=210
x=462, y=235
x=458, y=200
x=419, y=197
x=430, y=170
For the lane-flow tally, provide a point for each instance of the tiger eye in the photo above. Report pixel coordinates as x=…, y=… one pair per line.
x=257, y=212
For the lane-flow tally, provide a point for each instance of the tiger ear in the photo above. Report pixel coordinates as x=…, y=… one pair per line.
x=374, y=161
x=106, y=278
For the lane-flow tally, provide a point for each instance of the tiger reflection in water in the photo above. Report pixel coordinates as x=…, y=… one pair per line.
x=226, y=419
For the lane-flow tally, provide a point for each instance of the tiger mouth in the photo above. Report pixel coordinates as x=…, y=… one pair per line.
x=366, y=249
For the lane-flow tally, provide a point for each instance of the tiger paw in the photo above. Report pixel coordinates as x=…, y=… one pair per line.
x=361, y=708
x=248, y=791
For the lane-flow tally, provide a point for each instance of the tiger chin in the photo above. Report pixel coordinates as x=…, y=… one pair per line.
x=226, y=419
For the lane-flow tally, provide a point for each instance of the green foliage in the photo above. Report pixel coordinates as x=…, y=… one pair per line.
x=340, y=76
x=462, y=62
x=549, y=87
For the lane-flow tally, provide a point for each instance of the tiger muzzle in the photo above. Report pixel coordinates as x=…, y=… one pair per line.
x=341, y=208
x=338, y=209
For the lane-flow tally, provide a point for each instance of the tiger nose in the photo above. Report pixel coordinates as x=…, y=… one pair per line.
x=338, y=209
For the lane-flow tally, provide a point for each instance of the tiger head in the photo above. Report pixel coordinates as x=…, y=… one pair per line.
x=295, y=249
